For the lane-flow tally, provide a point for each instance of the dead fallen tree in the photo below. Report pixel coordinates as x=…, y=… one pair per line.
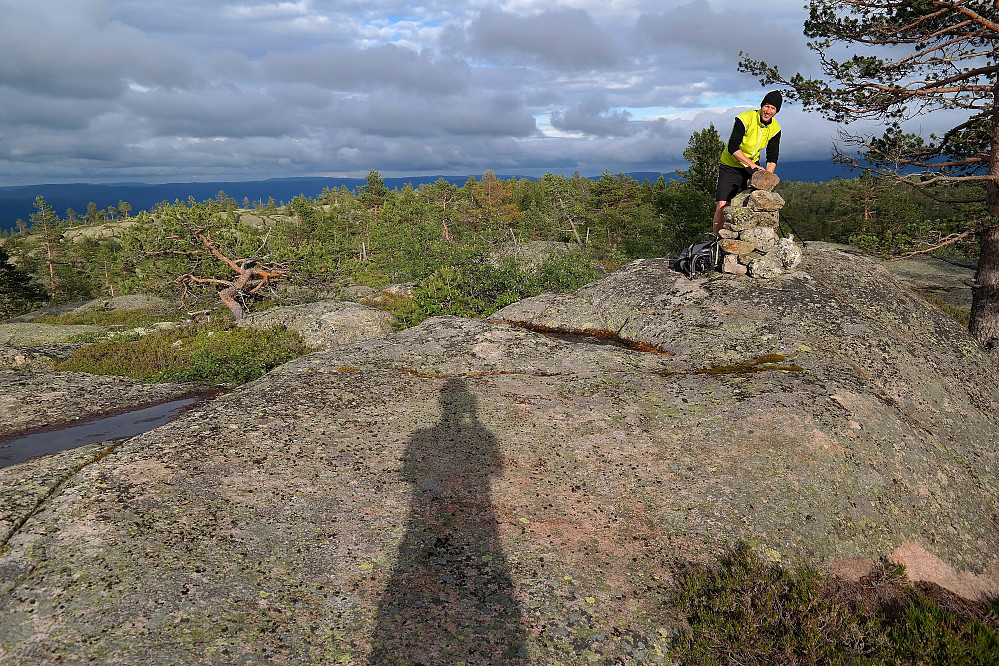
x=253, y=275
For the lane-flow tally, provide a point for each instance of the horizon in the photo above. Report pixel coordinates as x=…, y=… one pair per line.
x=17, y=201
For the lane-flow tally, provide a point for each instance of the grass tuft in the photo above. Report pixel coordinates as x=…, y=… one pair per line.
x=211, y=353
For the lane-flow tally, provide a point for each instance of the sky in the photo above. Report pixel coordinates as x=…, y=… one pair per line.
x=189, y=90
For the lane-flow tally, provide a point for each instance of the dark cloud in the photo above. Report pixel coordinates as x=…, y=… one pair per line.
x=72, y=49
x=389, y=116
x=213, y=113
x=346, y=68
x=593, y=116
x=712, y=34
x=565, y=39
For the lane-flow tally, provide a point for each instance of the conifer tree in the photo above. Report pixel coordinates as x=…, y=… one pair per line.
x=703, y=152
x=18, y=290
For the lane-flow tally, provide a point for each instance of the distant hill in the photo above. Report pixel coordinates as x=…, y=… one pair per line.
x=17, y=202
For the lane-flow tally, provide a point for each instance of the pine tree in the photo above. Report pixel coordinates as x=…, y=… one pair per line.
x=703, y=152
x=18, y=290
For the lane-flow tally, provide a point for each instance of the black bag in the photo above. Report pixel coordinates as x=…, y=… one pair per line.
x=699, y=258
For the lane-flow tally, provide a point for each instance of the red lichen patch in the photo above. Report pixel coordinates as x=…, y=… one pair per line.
x=853, y=569
x=921, y=565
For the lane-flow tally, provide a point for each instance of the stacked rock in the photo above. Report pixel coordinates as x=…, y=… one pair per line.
x=749, y=240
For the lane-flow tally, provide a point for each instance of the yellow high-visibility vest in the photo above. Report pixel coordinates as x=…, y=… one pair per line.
x=757, y=136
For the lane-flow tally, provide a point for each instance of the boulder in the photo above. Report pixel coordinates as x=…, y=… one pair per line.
x=763, y=200
x=730, y=264
x=764, y=238
x=767, y=266
x=521, y=490
x=736, y=247
x=738, y=218
x=325, y=323
x=532, y=254
x=763, y=180
x=788, y=252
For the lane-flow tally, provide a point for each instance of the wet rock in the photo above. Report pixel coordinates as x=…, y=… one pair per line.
x=34, y=398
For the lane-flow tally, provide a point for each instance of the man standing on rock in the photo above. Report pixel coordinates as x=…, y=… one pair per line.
x=752, y=130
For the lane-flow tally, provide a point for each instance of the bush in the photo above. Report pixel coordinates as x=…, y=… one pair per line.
x=192, y=354
x=749, y=611
x=477, y=288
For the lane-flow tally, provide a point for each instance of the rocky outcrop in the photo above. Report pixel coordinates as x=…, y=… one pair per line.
x=99, y=233
x=532, y=254
x=471, y=490
x=30, y=335
x=326, y=323
x=126, y=302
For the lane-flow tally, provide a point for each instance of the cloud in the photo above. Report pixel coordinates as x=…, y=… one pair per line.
x=593, y=116
x=565, y=39
x=347, y=68
x=72, y=49
x=711, y=35
x=212, y=113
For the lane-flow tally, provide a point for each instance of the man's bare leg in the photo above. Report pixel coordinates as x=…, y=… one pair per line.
x=719, y=220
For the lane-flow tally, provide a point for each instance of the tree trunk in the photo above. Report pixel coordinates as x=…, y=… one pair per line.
x=984, y=324
x=228, y=296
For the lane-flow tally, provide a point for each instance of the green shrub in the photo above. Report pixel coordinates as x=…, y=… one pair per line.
x=220, y=353
x=748, y=611
x=478, y=288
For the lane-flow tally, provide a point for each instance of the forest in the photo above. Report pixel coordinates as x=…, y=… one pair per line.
x=437, y=237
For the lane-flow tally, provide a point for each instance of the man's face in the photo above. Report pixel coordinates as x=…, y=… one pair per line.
x=767, y=112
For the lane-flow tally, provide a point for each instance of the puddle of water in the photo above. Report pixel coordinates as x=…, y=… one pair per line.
x=128, y=424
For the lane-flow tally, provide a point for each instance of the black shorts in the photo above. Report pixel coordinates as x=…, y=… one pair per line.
x=731, y=181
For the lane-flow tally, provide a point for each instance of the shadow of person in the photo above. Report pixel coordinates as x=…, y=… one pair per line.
x=450, y=598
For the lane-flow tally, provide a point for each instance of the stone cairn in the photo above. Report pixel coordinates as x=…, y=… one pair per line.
x=749, y=241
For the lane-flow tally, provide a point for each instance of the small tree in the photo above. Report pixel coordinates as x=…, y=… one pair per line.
x=703, y=152
x=943, y=58
x=18, y=290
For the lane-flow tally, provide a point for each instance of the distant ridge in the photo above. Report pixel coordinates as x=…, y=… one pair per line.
x=17, y=202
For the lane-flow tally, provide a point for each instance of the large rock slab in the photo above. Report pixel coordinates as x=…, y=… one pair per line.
x=475, y=491
x=325, y=323
x=32, y=335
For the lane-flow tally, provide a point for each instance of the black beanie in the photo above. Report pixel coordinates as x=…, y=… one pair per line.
x=773, y=97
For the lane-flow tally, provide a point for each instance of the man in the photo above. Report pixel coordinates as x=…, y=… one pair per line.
x=752, y=131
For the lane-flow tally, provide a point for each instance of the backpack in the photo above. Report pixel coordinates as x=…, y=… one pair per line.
x=699, y=258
